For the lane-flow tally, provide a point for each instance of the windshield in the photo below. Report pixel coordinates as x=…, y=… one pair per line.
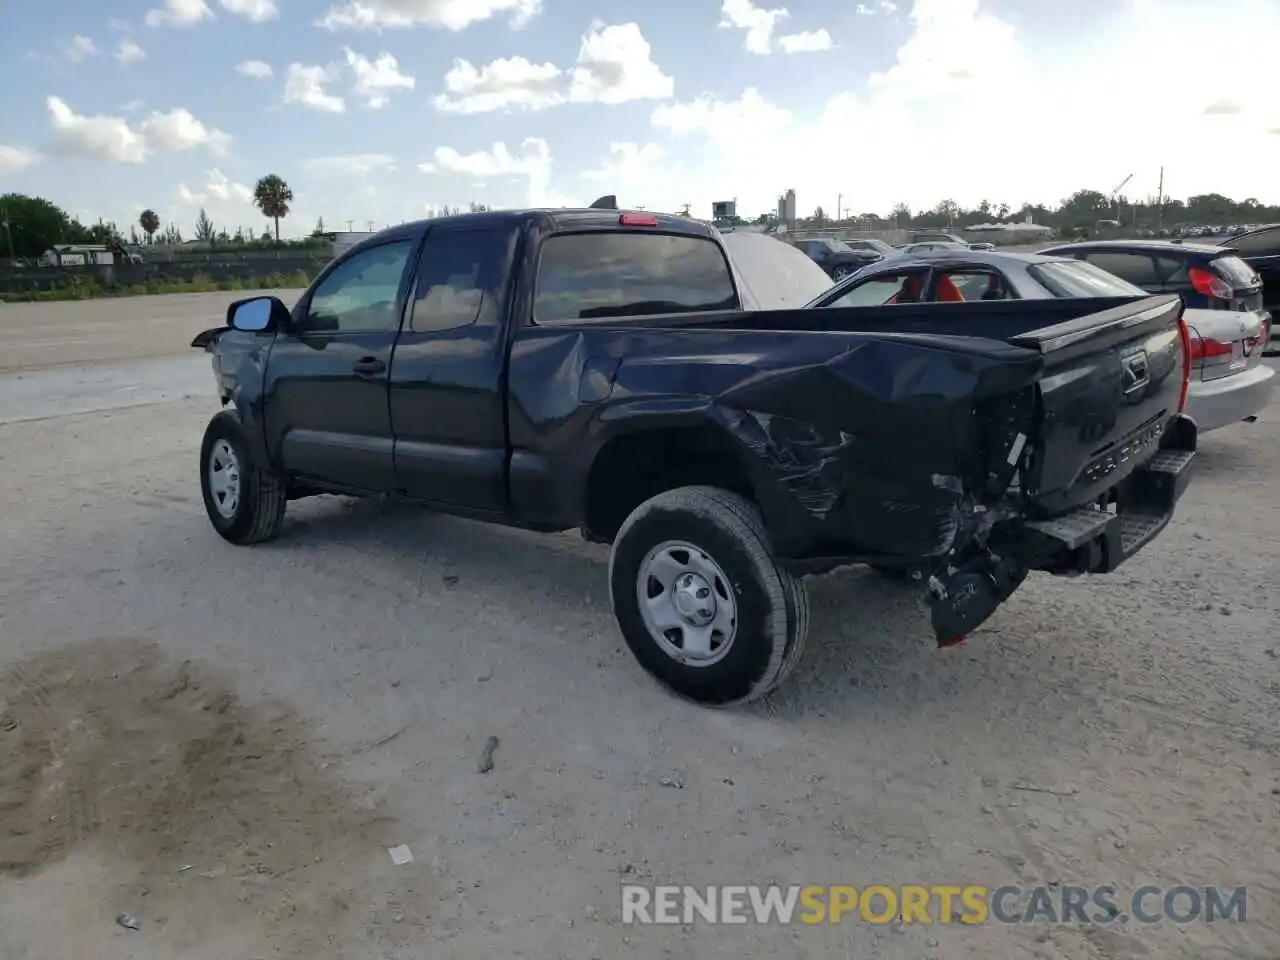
x=1074, y=278
x=625, y=274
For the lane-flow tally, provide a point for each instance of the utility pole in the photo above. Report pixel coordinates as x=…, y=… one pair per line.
x=1160, y=201
x=370, y=223
x=350, y=228
x=839, y=206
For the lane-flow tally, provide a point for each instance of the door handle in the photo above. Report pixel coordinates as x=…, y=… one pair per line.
x=369, y=367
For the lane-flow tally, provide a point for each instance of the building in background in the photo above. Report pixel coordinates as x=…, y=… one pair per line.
x=787, y=209
x=724, y=210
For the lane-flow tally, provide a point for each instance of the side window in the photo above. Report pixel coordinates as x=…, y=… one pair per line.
x=1172, y=270
x=360, y=295
x=906, y=286
x=959, y=285
x=1137, y=268
x=460, y=277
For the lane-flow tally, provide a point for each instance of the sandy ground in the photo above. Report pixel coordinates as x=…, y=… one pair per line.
x=224, y=742
x=36, y=335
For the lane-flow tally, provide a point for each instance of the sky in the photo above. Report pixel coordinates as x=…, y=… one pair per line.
x=380, y=111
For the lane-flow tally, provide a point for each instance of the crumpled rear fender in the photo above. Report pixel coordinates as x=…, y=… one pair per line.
x=878, y=450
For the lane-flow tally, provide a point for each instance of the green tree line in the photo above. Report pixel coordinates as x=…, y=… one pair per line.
x=31, y=225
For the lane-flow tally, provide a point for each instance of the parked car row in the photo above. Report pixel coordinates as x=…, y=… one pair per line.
x=1228, y=328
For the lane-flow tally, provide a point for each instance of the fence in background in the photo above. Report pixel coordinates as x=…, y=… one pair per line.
x=29, y=279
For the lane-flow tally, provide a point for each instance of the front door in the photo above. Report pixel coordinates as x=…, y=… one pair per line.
x=325, y=399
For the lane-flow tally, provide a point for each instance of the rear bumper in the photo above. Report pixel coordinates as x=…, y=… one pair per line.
x=1090, y=540
x=1220, y=403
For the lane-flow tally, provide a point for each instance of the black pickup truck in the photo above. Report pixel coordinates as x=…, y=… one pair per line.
x=595, y=369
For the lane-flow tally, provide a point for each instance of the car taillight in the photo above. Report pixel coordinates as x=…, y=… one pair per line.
x=1207, y=349
x=1209, y=284
x=1184, y=334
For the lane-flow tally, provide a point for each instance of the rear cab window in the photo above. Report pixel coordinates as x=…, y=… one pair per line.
x=598, y=274
x=1068, y=279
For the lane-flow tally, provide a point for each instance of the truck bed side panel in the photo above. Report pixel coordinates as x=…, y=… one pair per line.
x=855, y=438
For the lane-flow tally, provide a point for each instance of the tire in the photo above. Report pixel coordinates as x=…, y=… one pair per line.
x=721, y=535
x=839, y=273
x=251, y=508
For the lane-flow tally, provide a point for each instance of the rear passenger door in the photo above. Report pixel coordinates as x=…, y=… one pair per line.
x=1138, y=267
x=446, y=400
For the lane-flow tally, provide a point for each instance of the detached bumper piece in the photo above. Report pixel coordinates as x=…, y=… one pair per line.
x=1088, y=540
x=1098, y=541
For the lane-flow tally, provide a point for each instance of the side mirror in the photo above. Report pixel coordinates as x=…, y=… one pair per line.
x=257, y=315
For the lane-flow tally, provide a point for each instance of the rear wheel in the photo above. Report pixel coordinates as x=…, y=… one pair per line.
x=245, y=504
x=839, y=273
x=700, y=601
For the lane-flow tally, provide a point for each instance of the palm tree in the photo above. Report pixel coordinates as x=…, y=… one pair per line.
x=272, y=196
x=149, y=223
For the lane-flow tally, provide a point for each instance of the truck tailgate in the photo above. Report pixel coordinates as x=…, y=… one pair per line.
x=1111, y=382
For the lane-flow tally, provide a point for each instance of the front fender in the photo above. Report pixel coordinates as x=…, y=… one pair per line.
x=240, y=363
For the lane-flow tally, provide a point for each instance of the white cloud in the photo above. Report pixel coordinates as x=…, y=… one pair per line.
x=81, y=49
x=102, y=137
x=757, y=23
x=806, y=41
x=255, y=11
x=532, y=163
x=934, y=100
x=535, y=154
x=217, y=192
x=304, y=84
x=16, y=159
x=255, y=68
x=377, y=79
x=628, y=163
x=179, y=13
x=130, y=52
x=379, y=15
x=349, y=165
x=511, y=82
x=615, y=65
x=871, y=9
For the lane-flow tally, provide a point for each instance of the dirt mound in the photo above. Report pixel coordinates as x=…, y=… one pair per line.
x=110, y=746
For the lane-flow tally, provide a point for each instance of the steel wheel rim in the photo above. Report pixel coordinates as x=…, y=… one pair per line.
x=687, y=603
x=224, y=479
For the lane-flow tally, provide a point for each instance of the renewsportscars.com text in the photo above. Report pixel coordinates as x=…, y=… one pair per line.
x=928, y=904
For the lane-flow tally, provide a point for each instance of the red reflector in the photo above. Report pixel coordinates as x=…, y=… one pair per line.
x=1184, y=334
x=1208, y=349
x=638, y=220
x=952, y=642
x=1209, y=284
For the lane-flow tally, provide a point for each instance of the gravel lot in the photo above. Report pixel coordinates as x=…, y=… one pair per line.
x=223, y=742
x=36, y=335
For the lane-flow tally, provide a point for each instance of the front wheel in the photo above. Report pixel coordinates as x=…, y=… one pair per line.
x=839, y=273
x=245, y=504
x=700, y=601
